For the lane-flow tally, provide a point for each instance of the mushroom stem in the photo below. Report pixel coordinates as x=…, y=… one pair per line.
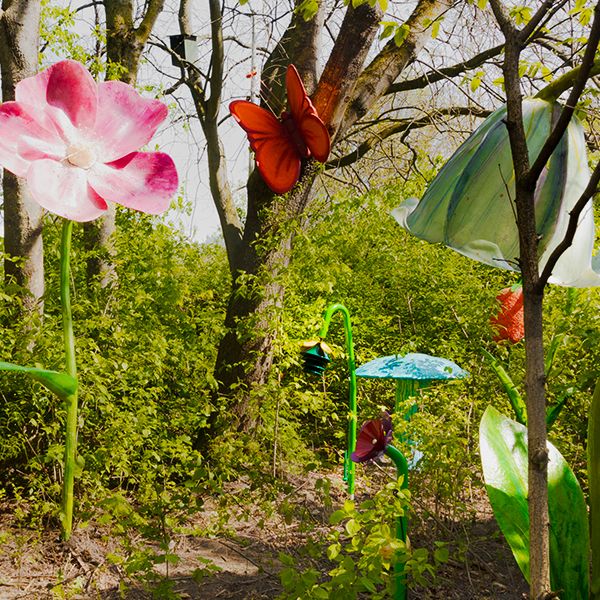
x=400, y=591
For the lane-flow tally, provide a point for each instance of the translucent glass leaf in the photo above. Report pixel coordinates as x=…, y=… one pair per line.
x=469, y=206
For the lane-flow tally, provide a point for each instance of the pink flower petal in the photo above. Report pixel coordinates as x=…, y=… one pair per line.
x=64, y=191
x=144, y=181
x=125, y=121
x=66, y=85
x=20, y=135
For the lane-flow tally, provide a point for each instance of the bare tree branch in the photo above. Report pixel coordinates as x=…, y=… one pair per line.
x=390, y=62
x=445, y=73
x=217, y=60
x=579, y=83
x=208, y=114
x=153, y=9
x=545, y=10
x=345, y=63
x=401, y=127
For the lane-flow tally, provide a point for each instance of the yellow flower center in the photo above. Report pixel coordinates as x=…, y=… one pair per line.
x=81, y=156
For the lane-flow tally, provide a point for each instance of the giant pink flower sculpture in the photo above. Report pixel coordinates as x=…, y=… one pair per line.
x=75, y=141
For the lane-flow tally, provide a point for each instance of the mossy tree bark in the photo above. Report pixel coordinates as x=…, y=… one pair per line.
x=19, y=46
x=124, y=46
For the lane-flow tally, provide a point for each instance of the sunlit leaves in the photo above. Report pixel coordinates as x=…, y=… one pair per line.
x=382, y=4
x=59, y=33
x=521, y=14
x=398, y=31
x=583, y=11
x=481, y=4
x=476, y=80
x=307, y=9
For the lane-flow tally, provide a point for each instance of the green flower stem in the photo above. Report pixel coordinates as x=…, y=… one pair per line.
x=71, y=368
x=400, y=590
x=516, y=400
x=349, y=466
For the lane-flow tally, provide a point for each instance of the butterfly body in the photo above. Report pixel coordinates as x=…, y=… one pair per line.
x=294, y=135
x=280, y=145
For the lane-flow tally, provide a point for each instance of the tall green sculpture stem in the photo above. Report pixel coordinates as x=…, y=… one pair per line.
x=352, y=411
x=71, y=369
x=400, y=591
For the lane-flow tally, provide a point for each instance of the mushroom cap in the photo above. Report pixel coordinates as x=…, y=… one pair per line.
x=413, y=366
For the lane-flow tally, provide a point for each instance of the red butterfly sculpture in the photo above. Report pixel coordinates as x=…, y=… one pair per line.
x=280, y=145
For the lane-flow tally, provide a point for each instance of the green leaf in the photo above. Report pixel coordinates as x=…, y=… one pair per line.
x=516, y=400
x=441, y=554
x=287, y=577
x=367, y=584
x=352, y=527
x=555, y=409
x=383, y=4
x=333, y=551
x=337, y=517
x=62, y=384
x=503, y=446
x=435, y=27
x=401, y=34
x=388, y=29
x=307, y=9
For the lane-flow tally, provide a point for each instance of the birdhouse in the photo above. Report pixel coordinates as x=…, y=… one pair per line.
x=185, y=46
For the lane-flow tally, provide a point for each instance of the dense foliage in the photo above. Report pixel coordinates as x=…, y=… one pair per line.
x=146, y=350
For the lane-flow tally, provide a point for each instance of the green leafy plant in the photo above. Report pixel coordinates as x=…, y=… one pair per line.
x=503, y=444
x=362, y=549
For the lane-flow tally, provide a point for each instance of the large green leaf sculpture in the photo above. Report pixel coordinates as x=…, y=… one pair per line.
x=503, y=447
x=593, y=452
x=469, y=206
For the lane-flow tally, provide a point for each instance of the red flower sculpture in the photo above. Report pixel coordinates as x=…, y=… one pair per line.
x=373, y=438
x=508, y=324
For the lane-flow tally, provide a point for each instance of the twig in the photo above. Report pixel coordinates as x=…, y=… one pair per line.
x=257, y=565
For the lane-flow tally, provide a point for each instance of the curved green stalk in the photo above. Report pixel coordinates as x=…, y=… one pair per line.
x=516, y=400
x=400, y=591
x=71, y=368
x=349, y=467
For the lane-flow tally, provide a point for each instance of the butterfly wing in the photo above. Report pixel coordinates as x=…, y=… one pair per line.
x=305, y=116
x=276, y=157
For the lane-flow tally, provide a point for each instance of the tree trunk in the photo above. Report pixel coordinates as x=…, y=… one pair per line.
x=260, y=251
x=124, y=46
x=19, y=40
x=245, y=354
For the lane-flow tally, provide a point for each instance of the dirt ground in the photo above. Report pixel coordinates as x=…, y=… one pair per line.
x=36, y=565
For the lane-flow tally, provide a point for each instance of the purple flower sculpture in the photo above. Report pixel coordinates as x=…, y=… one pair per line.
x=373, y=438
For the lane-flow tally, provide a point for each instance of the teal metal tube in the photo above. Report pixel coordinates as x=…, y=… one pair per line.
x=400, y=590
x=349, y=466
